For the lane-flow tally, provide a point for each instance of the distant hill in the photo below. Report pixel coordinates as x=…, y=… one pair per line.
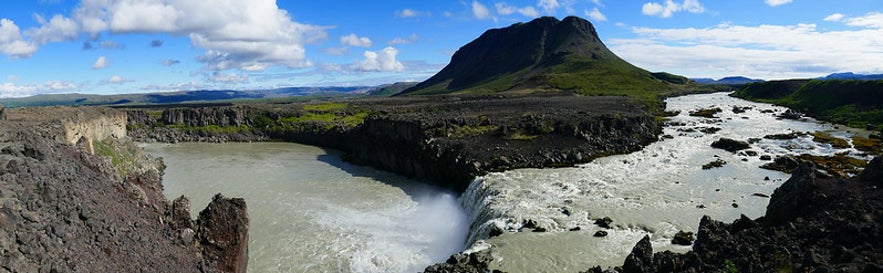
x=852, y=102
x=852, y=76
x=198, y=96
x=391, y=89
x=732, y=80
x=544, y=55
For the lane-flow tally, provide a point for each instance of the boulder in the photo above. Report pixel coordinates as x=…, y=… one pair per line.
x=223, y=233
x=475, y=262
x=873, y=173
x=683, y=238
x=604, y=222
x=640, y=258
x=730, y=145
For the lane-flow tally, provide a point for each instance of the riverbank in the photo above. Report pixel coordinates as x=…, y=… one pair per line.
x=446, y=140
x=77, y=196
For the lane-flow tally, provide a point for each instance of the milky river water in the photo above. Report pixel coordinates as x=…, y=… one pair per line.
x=311, y=212
x=657, y=191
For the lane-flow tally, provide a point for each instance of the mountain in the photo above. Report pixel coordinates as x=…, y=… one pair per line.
x=390, y=89
x=197, y=96
x=852, y=76
x=732, y=80
x=540, y=56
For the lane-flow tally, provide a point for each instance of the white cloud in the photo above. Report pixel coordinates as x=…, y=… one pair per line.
x=505, y=9
x=385, y=60
x=248, y=35
x=411, y=13
x=402, y=41
x=765, y=51
x=12, y=90
x=220, y=77
x=598, y=3
x=774, y=3
x=11, y=41
x=834, y=17
x=596, y=15
x=100, y=63
x=480, y=11
x=870, y=20
x=353, y=40
x=668, y=9
x=548, y=5
x=57, y=29
x=116, y=80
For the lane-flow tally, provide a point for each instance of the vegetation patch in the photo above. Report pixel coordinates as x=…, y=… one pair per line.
x=869, y=145
x=472, y=131
x=836, y=142
x=122, y=157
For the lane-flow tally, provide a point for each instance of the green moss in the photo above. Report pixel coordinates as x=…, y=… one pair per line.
x=471, y=131
x=836, y=142
x=325, y=107
x=517, y=135
x=122, y=157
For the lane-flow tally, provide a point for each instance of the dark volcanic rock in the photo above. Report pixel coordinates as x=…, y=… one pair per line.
x=873, y=172
x=604, y=222
x=67, y=208
x=476, y=262
x=600, y=233
x=812, y=225
x=714, y=164
x=683, y=238
x=223, y=232
x=640, y=259
x=730, y=145
x=706, y=113
x=2, y=112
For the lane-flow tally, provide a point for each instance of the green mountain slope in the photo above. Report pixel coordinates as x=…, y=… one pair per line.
x=543, y=55
x=851, y=102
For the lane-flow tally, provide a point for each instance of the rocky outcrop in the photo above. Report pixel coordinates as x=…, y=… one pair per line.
x=730, y=145
x=2, y=112
x=812, y=224
x=475, y=262
x=446, y=140
x=65, y=209
x=223, y=233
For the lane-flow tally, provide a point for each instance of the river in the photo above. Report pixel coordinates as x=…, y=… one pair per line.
x=311, y=212
x=657, y=191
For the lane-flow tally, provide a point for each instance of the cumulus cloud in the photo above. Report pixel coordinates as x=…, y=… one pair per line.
x=116, y=80
x=385, y=60
x=774, y=3
x=667, y=9
x=57, y=29
x=480, y=11
x=870, y=20
x=100, y=63
x=249, y=35
x=834, y=17
x=403, y=41
x=765, y=51
x=353, y=40
x=548, y=5
x=13, y=90
x=596, y=15
x=11, y=41
x=505, y=9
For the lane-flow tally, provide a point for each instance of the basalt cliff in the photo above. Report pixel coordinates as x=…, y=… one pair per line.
x=76, y=195
x=445, y=140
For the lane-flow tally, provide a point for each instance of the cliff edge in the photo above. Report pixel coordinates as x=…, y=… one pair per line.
x=77, y=196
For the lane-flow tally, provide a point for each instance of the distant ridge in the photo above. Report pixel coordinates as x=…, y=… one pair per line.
x=852, y=76
x=732, y=80
x=542, y=55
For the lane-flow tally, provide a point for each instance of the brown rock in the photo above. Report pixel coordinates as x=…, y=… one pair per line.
x=223, y=233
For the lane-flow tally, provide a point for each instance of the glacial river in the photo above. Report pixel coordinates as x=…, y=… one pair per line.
x=657, y=191
x=311, y=212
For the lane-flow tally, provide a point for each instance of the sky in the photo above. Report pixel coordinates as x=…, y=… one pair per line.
x=139, y=46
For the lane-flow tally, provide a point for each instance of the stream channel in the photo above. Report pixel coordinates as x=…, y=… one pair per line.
x=312, y=212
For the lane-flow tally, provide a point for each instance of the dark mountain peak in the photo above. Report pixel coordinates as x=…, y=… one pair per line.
x=520, y=57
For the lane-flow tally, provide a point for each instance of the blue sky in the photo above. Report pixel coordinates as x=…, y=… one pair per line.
x=137, y=46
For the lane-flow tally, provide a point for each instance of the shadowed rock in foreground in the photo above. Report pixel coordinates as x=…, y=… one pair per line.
x=77, y=196
x=811, y=225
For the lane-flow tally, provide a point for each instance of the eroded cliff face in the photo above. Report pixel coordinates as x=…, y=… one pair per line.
x=69, y=207
x=446, y=140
